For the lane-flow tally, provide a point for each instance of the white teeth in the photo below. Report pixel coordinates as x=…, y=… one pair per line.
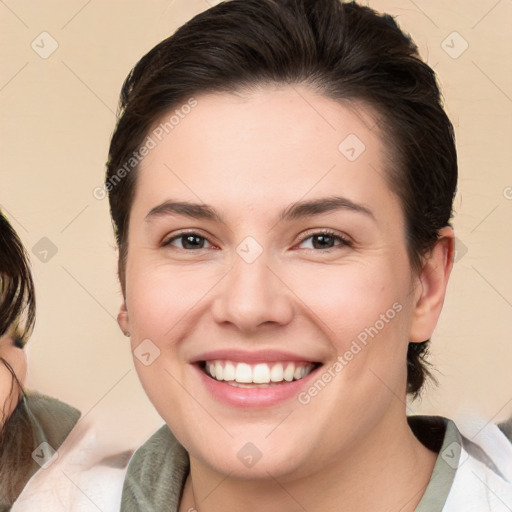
x=288, y=373
x=229, y=371
x=243, y=373
x=261, y=373
x=276, y=374
x=219, y=371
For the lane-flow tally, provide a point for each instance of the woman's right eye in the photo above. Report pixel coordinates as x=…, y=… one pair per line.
x=187, y=241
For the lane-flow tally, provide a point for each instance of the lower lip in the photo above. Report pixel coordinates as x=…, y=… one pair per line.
x=254, y=397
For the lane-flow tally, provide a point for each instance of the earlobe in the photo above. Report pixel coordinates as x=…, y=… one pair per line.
x=432, y=283
x=123, y=319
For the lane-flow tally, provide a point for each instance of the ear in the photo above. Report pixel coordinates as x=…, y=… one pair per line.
x=430, y=287
x=123, y=319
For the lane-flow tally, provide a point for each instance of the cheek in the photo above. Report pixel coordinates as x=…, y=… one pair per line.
x=163, y=307
x=349, y=299
x=364, y=312
x=159, y=302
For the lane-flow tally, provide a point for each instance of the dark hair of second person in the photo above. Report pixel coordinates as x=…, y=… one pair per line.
x=27, y=418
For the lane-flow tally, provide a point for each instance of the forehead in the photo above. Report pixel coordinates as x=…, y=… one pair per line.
x=264, y=146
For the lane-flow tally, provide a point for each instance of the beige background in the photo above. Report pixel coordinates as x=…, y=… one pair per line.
x=57, y=114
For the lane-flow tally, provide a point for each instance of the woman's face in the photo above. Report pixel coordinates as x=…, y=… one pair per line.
x=9, y=390
x=265, y=245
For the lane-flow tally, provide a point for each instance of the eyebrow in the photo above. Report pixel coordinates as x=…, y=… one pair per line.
x=184, y=208
x=323, y=205
x=295, y=211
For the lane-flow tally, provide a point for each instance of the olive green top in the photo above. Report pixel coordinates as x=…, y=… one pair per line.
x=51, y=421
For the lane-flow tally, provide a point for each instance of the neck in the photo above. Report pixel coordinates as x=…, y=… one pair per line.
x=389, y=470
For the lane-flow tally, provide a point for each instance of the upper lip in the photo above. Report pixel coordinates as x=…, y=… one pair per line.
x=256, y=356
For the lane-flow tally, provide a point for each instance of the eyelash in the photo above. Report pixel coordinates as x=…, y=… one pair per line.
x=344, y=242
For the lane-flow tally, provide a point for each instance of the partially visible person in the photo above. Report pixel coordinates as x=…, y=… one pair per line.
x=27, y=419
x=88, y=469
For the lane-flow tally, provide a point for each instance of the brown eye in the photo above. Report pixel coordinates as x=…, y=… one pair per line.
x=325, y=240
x=187, y=241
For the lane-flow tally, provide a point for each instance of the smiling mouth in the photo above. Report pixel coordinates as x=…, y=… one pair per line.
x=261, y=375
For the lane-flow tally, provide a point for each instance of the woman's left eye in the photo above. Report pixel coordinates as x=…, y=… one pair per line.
x=324, y=240
x=188, y=241
x=19, y=342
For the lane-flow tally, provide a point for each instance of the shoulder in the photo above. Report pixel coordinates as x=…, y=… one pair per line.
x=156, y=474
x=484, y=471
x=155, y=451
x=86, y=473
x=52, y=419
x=473, y=458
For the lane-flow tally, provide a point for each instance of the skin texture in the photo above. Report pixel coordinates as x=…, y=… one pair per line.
x=249, y=156
x=9, y=391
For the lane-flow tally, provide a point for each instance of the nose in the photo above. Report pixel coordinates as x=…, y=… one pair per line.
x=252, y=295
